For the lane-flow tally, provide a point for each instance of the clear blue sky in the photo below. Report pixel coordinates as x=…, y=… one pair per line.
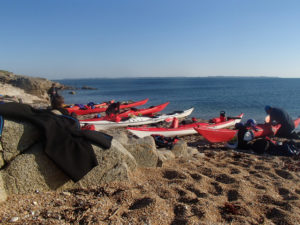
x=116, y=38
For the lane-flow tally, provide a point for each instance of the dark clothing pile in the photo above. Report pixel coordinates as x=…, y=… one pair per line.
x=242, y=144
x=265, y=145
x=68, y=146
x=282, y=117
x=164, y=142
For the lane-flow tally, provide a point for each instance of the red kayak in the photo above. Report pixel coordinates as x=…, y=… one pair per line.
x=186, y=129
x=139, y=112
x=224, y=135
x=76, y=107
x=103, y=106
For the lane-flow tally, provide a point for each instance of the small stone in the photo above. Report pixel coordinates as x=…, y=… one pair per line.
x=32, y=213
x=66, y=193
x=35, y=203
x=14, y=219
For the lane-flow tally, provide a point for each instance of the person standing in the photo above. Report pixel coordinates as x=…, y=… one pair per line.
x=53, y=92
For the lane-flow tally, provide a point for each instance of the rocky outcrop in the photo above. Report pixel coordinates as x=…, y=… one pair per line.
x=25, y=168
x=11, y=93
x=88, y=88
x=32, y=85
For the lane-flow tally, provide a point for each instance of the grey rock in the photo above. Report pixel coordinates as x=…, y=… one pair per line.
x=111, y=162
x=120, y=136
x=88, y=88
x=33, y=170
x=17, y=137
x=34, y=86
x=192, y=151
x=14, y=219
x=144, y=151
x=3, y=195
x=180, y=149
x=165, y=154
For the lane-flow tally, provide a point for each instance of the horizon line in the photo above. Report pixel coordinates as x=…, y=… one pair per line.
x=155, y=77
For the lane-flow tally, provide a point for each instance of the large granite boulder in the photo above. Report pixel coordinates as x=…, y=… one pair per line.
x=17, y=136
x=144, y=151
x=33, y=170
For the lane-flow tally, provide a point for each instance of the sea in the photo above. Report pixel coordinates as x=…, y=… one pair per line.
x=207, y=95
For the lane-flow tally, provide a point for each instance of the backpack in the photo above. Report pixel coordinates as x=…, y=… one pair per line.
x=164, y=142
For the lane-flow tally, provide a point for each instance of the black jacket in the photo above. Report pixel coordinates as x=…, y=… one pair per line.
x=68, y=146
x=282, y=117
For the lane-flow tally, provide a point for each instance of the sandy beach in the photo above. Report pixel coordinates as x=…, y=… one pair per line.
x=217, y=186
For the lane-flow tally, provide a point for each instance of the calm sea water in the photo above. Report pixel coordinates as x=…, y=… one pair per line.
x=207, y=95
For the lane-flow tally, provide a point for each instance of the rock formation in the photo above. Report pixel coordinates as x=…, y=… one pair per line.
x=32, y=86
x=25, y=168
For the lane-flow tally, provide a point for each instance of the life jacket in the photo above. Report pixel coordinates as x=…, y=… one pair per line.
x=220, y=119
x=113, y=117
x=88, y=127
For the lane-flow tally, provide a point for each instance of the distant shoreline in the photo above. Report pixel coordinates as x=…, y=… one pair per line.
x=179, y=77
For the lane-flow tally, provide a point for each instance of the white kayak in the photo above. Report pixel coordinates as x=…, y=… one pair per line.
x=182, y=130
x=137, y=121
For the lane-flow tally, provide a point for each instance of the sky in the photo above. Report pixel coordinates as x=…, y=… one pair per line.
x=150, y=38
